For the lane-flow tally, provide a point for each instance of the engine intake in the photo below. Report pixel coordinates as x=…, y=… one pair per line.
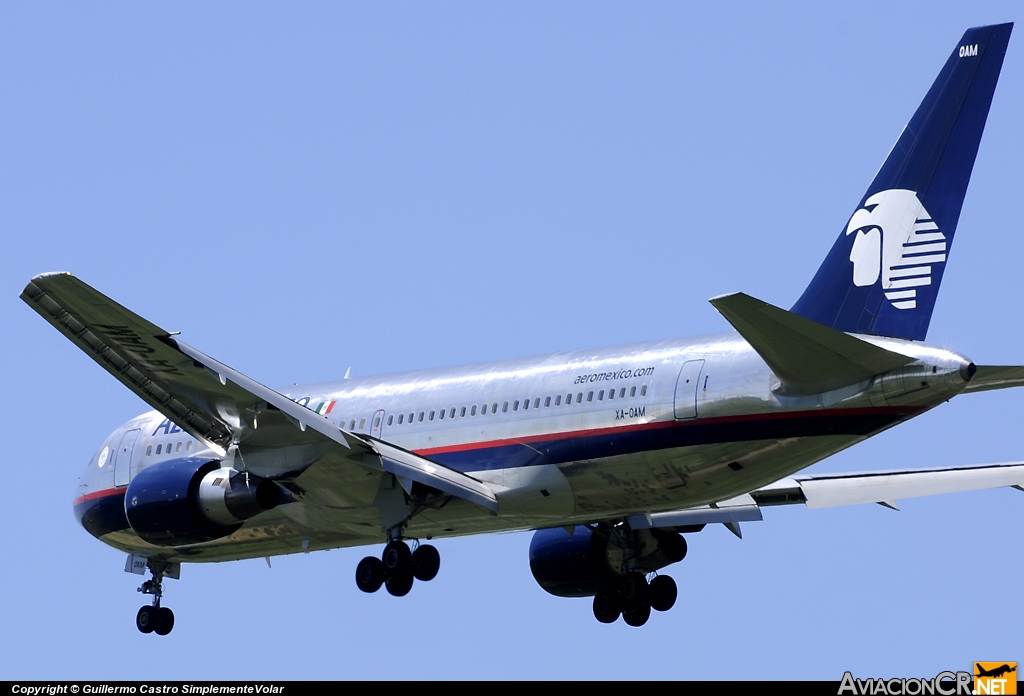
x=192, y=500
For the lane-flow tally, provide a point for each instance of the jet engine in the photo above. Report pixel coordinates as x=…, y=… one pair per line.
x=192, y=500
x=582, y=562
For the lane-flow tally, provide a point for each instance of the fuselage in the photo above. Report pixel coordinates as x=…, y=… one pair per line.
x=564, y=438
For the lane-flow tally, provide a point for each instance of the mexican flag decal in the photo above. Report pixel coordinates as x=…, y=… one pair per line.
x=325, y=407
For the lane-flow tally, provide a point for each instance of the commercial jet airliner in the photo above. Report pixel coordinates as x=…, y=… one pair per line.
x=611, y=455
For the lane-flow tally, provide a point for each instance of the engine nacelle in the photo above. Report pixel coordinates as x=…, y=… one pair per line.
x=192, y=500
x=580, y=564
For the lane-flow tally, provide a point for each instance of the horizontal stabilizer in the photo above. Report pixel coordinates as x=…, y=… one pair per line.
x=835, y=490
x=807, y=357
x=996, y=377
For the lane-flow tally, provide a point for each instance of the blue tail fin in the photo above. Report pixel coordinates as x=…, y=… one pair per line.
x=883, y=273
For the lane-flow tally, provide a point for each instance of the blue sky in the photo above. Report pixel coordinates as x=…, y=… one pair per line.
x=302, y=188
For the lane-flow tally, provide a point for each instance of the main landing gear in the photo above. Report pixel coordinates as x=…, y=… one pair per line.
x=154, y=618
x=397, y=567
x=634, y=598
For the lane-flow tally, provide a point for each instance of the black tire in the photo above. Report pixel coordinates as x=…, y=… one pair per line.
x=634, y=591
x=397, y=559
x=663, y=593
x=399, y=585
x=638, y=616
x=146, y=619
x=607, y=606
x=426, y=561
x=164, y=621
x=370, y=574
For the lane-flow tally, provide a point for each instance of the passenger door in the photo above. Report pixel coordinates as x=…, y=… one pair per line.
x=123, y=463
x=686, y=389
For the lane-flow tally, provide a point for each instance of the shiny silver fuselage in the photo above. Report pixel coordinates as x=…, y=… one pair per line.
x=641, y=450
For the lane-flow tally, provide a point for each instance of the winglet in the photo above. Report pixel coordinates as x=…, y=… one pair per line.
x=807, y=357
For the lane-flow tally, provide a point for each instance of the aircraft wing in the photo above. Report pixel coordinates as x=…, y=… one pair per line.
x=886, y=487
x=835, y=490
x=222, y=407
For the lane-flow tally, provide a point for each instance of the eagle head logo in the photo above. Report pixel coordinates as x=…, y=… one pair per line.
x=895, y=240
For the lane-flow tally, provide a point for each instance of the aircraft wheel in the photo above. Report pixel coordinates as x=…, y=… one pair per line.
x=397, y=559
x=663, y=593
x=638, y=616
x=399, y=585
x=634, y=590
x=369, y=574
x=426, y=561
x=164, y=621
x=607, y=606
x=146, y=619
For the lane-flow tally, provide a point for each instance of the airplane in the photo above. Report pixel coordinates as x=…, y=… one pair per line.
x=611, y=456
x=996, y=671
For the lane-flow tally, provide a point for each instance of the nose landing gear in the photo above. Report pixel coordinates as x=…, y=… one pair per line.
x=397, y=567
x=154, y=618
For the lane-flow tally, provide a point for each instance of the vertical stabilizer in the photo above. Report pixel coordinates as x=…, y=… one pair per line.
x=883, y=273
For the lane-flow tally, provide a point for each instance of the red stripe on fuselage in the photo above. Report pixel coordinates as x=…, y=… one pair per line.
x=97, y=494
x=573, y=434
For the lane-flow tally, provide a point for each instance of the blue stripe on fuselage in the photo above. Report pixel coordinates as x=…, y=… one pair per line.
x=563, y=448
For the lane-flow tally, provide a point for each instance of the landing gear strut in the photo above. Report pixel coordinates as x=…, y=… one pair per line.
x=154, y=618
x=397, y=567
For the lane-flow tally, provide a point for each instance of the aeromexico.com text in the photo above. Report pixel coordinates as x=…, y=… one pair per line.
x=621, y=374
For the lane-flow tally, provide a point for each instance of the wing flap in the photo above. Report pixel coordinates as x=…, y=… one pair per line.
x=808, y=357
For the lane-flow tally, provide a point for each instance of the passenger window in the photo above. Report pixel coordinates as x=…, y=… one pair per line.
x=558, y=400
x=590, y=397
x=536, y=402
x=494, y=407
x=515, y=405
x=188, y=446
x=441, y=414
x=452, y=414
x=472, y=411
x=421, y=416
x=547, y=401
x=376, y=421
x=600, y=395
x=411, y=417
x=579, y=398
x=622, y=392
x=178, y=448
x=149, y=450
x=483, y=409
x=463, y=413
x=632, y=392
x=401, y=417
x=504, y=407
x=431, y=416
x=643, y=390
x=158, y=448
x=526, y=404
x=391, y=419
x=362, y=423
x=611, y=394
